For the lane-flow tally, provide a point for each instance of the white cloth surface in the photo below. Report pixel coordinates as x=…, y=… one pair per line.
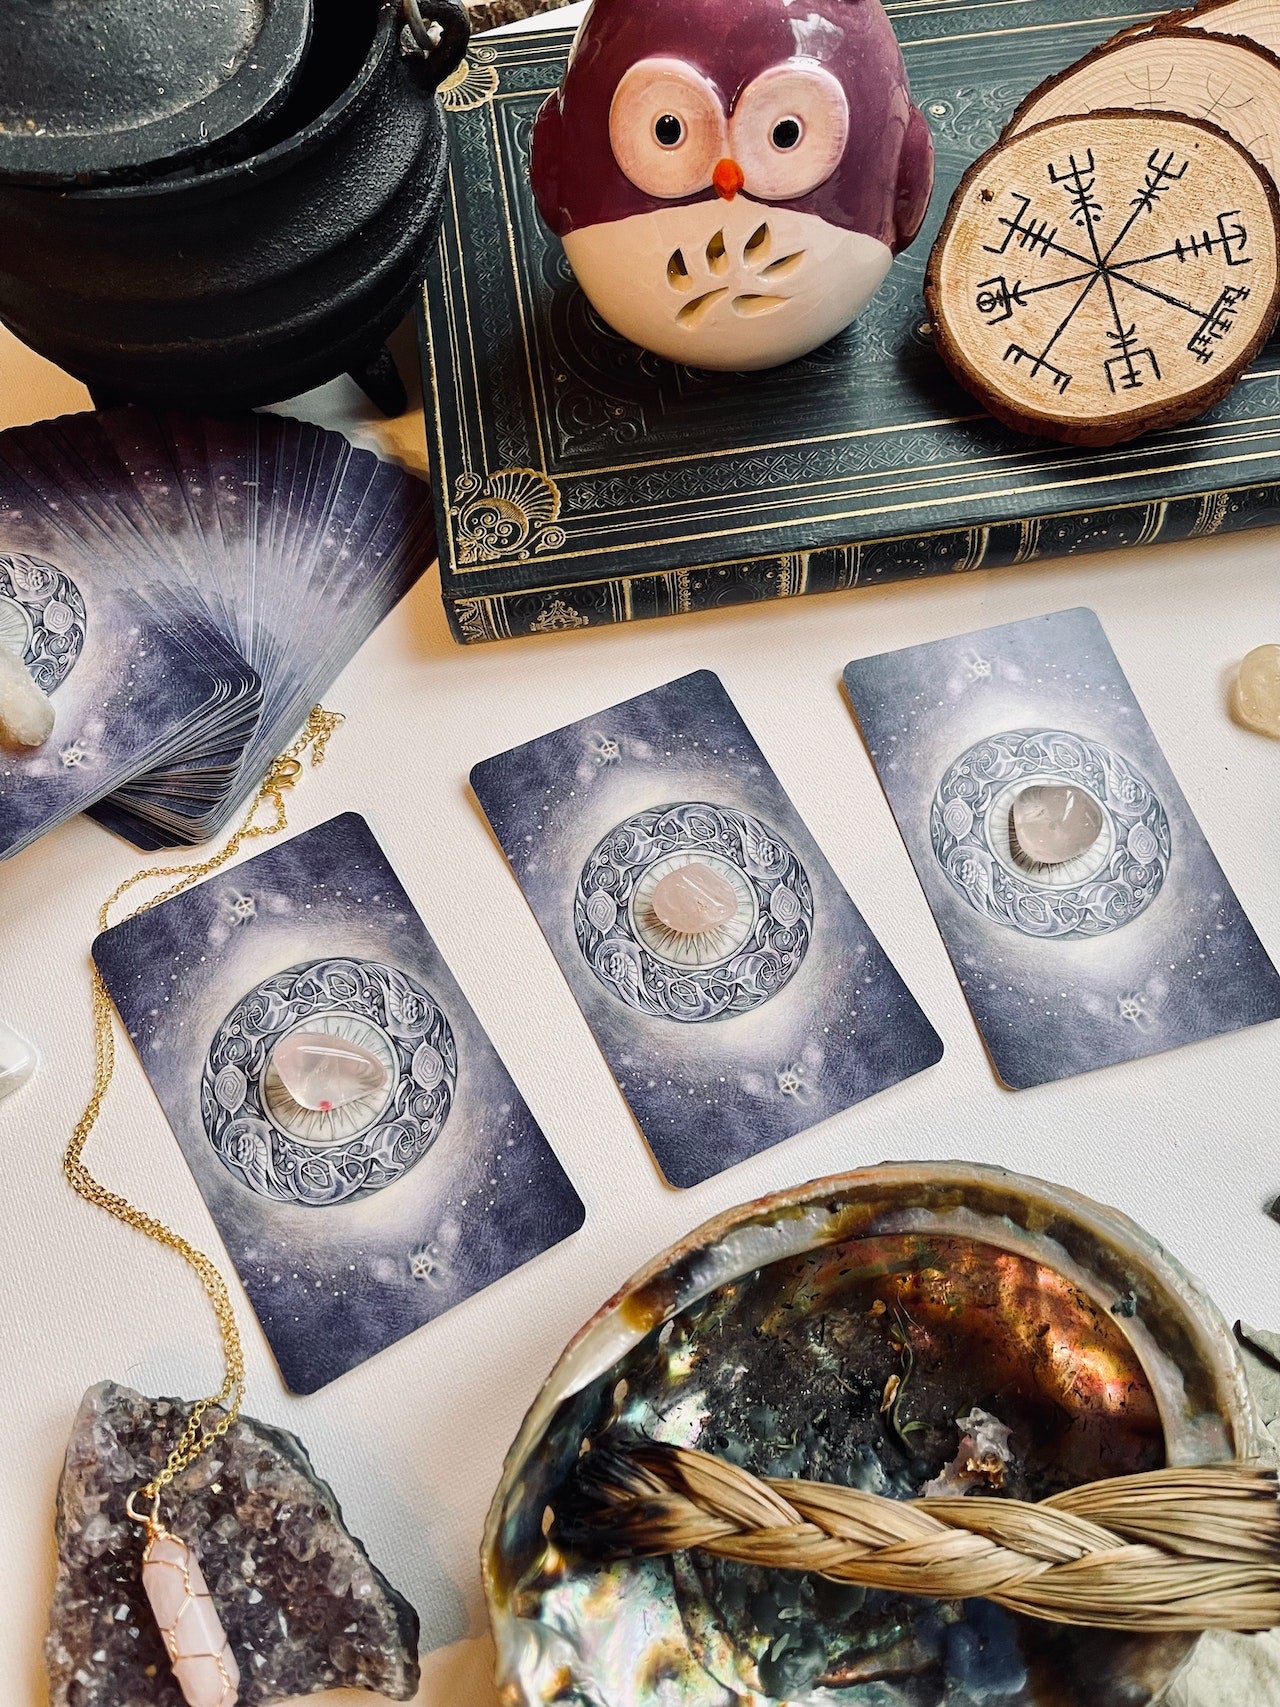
x=1187, y=1143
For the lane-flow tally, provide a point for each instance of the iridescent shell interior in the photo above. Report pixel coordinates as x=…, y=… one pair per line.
x=770, y=1336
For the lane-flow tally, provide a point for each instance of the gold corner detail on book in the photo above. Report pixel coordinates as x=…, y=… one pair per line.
x=1028, y=540
x=472, y=85
x=505, y=516
x=793, y=574
x=1153, y=522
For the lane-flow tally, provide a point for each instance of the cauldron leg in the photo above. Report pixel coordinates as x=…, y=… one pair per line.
x=381, y=383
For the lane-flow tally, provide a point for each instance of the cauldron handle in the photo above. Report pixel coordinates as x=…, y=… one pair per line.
x=445, y=55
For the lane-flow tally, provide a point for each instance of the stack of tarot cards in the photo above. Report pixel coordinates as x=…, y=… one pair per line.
x=185, y=589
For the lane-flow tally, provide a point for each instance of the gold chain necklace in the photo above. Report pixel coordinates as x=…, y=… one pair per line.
x=215, y=1678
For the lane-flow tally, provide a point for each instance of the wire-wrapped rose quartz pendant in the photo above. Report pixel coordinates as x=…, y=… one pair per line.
x=199, y=1652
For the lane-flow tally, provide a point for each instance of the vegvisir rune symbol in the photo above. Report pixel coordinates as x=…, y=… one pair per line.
x=1106, y=273
x=1127, y=362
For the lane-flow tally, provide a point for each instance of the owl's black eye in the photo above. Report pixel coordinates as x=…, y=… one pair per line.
x=669, y=130
x=786, y=133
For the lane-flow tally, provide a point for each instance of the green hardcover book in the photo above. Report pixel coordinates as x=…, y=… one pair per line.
x=579, y=480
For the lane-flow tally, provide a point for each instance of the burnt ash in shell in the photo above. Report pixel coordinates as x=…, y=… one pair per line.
x=852, y=1365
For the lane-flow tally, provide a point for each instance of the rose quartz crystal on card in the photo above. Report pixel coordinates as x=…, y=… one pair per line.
x=732, y=178
x=26, y=713
x=323, y=1073
x=693, y=899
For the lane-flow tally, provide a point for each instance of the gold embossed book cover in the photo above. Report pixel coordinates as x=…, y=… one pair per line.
x=579, y=480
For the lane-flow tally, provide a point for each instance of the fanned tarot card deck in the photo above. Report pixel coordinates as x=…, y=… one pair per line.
x=184, y=589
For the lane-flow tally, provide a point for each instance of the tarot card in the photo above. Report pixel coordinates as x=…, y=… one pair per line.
x=1084, y=912
x=735, y=990
x=127, y=678
x=356, y=1207
x=276, y=543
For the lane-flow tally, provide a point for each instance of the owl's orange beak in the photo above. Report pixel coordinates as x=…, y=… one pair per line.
x=728, y=179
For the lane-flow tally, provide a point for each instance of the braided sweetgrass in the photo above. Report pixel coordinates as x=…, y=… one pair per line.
x=1193, y=1548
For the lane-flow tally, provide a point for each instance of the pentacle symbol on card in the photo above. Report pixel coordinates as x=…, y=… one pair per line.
x=1102, y=275
x=327, y=1081
x=1098, y=840
x=42, y=619
x=693, y=912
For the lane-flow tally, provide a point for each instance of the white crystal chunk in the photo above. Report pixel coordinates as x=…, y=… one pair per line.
x=202, y=1661
x=26, y=714
x=1256, y=697
x=18, y=1061
x=322, y=1073
x=694, y=898
x=1054, y=822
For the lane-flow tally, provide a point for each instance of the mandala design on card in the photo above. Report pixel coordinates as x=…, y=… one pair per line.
x=42, y=619
x=1102, y=889
x=296, y=1155
x=756, y=943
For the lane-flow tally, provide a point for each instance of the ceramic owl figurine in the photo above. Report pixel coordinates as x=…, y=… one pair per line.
x=732, y=178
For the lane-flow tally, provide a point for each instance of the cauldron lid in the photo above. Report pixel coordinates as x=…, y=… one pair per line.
x=120, y=88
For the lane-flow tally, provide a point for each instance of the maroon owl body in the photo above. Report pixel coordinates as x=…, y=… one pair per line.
x=731, y=178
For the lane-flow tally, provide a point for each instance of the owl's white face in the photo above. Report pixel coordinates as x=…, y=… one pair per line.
x=730, y=281
x=736, y=285
x=672, y=138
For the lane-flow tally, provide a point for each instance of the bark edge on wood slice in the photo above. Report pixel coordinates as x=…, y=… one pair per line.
x=999, y=309
x=1228, y=63
x=1248, y=20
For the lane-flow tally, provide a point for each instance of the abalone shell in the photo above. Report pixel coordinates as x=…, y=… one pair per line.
x=770, y=1336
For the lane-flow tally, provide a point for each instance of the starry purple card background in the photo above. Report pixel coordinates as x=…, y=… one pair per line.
x=1189, y=967
x=333, y=1285
x=134, y=690
x=139, y=681
x=707, y=1094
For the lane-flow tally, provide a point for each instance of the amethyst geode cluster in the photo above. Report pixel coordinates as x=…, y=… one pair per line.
x=303, y=1607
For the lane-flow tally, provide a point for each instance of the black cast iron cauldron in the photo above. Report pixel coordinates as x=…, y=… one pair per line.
x=238, y=281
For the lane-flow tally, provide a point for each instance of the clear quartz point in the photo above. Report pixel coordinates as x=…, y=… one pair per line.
x=18, y=1061
x=693, y=899
x=1054, y=822
x=322, y=1073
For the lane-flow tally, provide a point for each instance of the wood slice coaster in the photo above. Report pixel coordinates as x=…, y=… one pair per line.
x=1235, y=84
x=1103, y=275
x=1258, y=20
